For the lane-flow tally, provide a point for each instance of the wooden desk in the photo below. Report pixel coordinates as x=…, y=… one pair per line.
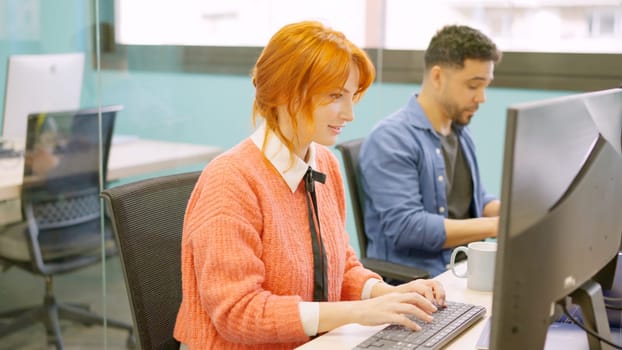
x=139, y=156
x=348, y=336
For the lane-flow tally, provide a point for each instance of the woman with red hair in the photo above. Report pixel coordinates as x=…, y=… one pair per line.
x=266, y=262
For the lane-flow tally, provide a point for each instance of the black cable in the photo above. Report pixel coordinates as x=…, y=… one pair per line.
x=613, y=307
x=589, y=331
x=613, y=300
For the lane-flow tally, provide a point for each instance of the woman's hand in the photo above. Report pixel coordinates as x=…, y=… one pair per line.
x=388, y=304
x=430, y=289
x=394, y=308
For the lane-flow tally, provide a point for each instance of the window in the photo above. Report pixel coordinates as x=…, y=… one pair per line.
x=605, y=23
x=228, y=23
x=528, y=25
x=550, y=44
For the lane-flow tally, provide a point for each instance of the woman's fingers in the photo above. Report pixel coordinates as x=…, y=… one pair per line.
x=404, y=308
x=416, y=305
x=430, y=289
x=408, y=323
x=438, y=292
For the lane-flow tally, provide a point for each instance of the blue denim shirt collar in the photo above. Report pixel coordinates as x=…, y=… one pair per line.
x=421, y=121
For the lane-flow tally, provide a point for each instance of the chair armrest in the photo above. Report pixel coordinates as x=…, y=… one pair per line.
x=394, y=271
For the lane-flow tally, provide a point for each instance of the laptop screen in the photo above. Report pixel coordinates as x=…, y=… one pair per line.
x=62, y=148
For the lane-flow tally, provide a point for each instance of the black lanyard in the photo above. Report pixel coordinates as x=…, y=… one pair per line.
x=320, y=283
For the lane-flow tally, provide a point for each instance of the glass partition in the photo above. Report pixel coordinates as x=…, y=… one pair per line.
x=52, y=167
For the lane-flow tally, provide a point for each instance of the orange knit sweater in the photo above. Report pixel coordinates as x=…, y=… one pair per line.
x=246, y=253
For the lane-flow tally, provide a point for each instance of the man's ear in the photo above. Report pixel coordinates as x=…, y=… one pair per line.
x=435, y=76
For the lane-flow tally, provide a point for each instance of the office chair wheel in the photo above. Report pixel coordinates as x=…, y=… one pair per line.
x=131, y=341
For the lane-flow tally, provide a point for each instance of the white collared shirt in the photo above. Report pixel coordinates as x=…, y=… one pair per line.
x=278, y=154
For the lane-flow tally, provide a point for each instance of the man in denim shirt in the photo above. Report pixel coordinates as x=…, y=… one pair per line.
x=423, y=190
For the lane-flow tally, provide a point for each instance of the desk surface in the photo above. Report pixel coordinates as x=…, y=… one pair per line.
x=348, y=336
x=139, y=156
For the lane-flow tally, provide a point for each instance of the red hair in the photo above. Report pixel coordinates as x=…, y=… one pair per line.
x=301, y=62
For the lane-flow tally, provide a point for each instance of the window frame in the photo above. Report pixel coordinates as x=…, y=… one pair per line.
x=522, y=70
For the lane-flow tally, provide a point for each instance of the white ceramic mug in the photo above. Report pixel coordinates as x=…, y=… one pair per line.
x=480, y=271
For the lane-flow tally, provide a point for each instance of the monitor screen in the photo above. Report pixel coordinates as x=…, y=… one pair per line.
x=560, y=226
x=40, y=83
x=62, y=148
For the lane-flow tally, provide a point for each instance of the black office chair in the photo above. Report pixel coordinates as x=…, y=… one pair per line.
x=147, y=218
x=61, y=207
x=391, y=271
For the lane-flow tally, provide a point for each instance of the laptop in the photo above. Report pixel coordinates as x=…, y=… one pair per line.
x=64, y=146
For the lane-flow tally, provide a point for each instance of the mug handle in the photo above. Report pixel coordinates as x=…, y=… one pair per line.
x=452, y=260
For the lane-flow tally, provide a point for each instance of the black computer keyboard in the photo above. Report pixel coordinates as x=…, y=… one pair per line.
x=448, y=323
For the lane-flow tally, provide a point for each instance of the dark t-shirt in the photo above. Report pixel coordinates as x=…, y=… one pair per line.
x=459, y=184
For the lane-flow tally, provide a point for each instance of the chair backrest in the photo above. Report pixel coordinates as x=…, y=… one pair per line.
x=350, y=154
x=147, y=218
x=60, y=191
x=394, y=272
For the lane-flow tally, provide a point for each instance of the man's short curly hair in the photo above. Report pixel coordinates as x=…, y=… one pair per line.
x=453, y=44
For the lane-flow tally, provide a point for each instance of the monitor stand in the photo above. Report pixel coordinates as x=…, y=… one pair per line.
x=589, y=297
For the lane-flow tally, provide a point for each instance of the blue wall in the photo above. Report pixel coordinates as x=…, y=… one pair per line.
x=216, y=109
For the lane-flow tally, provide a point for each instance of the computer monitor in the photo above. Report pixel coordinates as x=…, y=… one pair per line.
x=560, y=223
x=40, y=83
x=62, y=148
